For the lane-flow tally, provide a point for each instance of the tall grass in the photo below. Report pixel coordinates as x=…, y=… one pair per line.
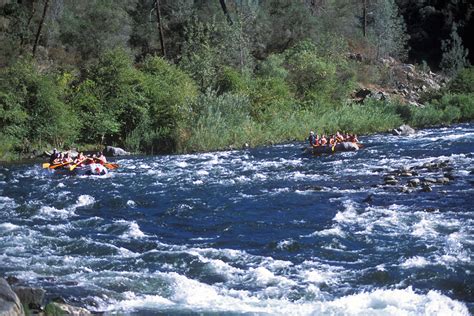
x=224, y=122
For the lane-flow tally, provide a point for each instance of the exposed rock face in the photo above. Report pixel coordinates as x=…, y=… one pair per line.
x=403, y=130
x=31, y=297
x=9, y=302
x=115, y=151
x=405, y=81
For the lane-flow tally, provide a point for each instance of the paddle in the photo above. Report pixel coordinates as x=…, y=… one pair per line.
x=73, y=166
x=46, y=165
x=59, y=165
x=110, y=165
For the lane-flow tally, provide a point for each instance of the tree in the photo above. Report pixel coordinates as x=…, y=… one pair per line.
x=454, y=56
x=90, y=28
x=160, y=27
x=40, y=26
x=388, y=30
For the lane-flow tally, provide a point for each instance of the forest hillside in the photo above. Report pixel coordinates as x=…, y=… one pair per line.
x=174, y=76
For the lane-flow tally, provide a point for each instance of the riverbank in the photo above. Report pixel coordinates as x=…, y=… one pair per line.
x=250, y=110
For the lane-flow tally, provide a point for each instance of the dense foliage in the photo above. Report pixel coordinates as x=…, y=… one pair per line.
x=88, y=72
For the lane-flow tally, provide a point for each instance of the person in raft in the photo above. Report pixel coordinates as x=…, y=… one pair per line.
x=100, y=158
x=315, y=140
x=311, y=138
x=54, y=157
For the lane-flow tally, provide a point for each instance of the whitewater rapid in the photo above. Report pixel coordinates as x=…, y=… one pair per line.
x=261, y=231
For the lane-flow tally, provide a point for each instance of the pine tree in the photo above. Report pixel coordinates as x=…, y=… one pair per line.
x=389, y=30
x=454, y=57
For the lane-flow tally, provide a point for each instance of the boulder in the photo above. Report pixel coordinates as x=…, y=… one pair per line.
x=403, y=130
x=115, y=151
x=443, y=180
x=426, y=188
x=414, y=182
x=31, y=297
x=429, y=180
x=10, y=304
x=391, y=182
x=362, y=93
x=66, y=309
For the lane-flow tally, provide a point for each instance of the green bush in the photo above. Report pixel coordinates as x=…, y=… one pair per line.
x=169, y=93
x=231, y=80
x=426, y=116
x=463, y=82
x=270, y=96
x=32, y=107
x=318, y=79
x=453, y=102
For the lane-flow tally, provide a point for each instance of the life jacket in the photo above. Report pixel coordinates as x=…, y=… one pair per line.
x=316, y=143
x=331, y=141
x=324, y=141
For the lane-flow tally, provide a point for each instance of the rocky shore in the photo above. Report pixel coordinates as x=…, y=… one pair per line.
x=18, y=300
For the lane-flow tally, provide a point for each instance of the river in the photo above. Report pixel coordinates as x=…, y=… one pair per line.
x=260, y=231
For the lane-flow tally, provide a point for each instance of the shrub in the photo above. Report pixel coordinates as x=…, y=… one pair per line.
x=463, y=82
x=32, y=107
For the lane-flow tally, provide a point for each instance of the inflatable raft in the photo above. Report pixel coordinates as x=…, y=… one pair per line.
x=96, y=169
x=344, y=146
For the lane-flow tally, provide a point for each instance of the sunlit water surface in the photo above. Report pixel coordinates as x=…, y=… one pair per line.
x=260, y=231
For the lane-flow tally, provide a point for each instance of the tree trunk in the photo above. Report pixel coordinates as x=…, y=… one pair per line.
x=40, y=26
x=226, y=12
x=364, y=13
x=160, y=27
x=22, y=36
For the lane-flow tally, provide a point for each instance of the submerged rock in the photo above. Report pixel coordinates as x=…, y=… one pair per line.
x=426, y=188
x=414, y=182
x=429, y=180
x=443, y=180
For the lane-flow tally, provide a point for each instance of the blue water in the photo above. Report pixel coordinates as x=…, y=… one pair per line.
x=260, y=231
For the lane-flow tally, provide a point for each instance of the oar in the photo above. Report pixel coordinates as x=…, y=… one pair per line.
x=110, y=165
x=73, y=166
x=59, y=165
x=46, y=165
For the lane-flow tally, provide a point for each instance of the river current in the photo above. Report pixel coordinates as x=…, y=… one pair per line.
x=261, y=231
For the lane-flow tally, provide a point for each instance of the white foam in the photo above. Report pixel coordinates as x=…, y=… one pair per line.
x=424, y=228
x=202, y=173
x=414, y=262
x=131, y=203
x=188, y=294
x=285, y=244
x=83, y=200
x=132, y=301
x=50, y=211
x=348, y=215
x=133, y=230
x=396, y=302
x=8, y=227
x=6, y=202
x=334, y=231
x=182, y=164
